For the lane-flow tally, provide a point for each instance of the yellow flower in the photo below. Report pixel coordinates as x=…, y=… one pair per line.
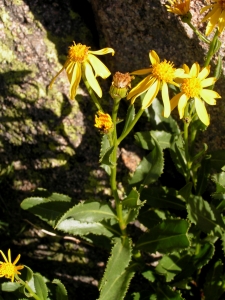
x=9, y=269
x=81, y=61
x=215, y=17
x=193, y=87
x=103, y=122
x=179, y=7
x=161, y=73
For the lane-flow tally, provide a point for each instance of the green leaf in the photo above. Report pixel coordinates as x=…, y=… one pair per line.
x=129, y=117
x=9, y=286
x=132, y=200
x=150, y=168
x=151, y=217
x=105, y=151
x=203, y=175
x=170, y=235
x=144, y=139
x=89, y=212
x=81, y=228
x=218, y=160
x=117, y=275
x=164, y=292
x=162, y=197
x=204, y=215
x=177, y=153
x=149, y=275
x=47, y=209
x=219, y=194
x=26, y=274
x=61, y=293
x=214, y=286
x=40, y=287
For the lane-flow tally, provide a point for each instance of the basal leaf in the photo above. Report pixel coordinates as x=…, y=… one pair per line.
x=40, y=287
x=170, y=235
x=61, y=293
x=89, y=212
x=117, y=275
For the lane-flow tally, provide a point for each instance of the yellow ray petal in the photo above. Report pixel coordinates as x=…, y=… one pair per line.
x=205, y=8
x=174, y=101
x=209, y=15
x=153, y=56
x=182, y=104
x=186, y=68
x=151, y=94
x=92, y=80
x=201, y=111
x=3, y=255
x=141, y=87
x=221, y=23
x=209, y=95
x=195, y=68
x=103, y=51
x=212, y=22
x=74, y=78
x=141, y=72
x=16, y=260
x=204, y=73
x=166, y=100
x=99, y=68
x=208, y=81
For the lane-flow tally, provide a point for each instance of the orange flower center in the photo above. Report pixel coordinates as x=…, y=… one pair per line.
x=191, y=87
x=163, y=71
x=78, y=53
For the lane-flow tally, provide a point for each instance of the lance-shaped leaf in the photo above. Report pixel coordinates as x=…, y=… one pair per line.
x=144, y=139
x=40, y=287
x=164, y=292
x=214, y=286
x=170, y=235
x=205, y=216
x=150, y=168
x=81, y=228
x=48, y=209
x=177, y=153
x=131, y=206
x=117, y=275
x=61, y=292
x=162, y=197
x=89, y=212
x=105, y=152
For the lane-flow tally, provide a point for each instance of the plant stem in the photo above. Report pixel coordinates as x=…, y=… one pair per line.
x=186, y=143
x=212, y=50
x=130, y=127
x=27, y=287
x=119, y=210
x=92, y=94
x=199, y=34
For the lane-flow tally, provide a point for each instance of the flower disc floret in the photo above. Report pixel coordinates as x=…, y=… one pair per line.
x=78, y=53
x=163, y=71
x=191, y=87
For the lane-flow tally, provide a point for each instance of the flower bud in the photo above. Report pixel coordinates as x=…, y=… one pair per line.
x=103, y=122
x=120, y=85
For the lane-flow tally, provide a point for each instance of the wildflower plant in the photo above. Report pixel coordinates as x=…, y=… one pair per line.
x=182, y=223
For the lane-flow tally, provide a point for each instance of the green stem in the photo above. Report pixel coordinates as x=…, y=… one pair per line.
x=92, y=94
x=212, y=50
x=119, y=208
x=186, y=143
x=199, y=34
x=27, y=287
x=130, y=127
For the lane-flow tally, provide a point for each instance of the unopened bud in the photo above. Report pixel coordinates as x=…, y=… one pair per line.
x=120, y=85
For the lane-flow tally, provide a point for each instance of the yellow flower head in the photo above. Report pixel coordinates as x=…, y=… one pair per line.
x=160, y=74
x=193, y=88
x=9, y=269
x=216, y=17
x=179, y=7
x=103, y=122
x=83, y=62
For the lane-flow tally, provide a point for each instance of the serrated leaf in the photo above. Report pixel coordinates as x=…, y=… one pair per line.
x=106, y=160
x=40, y=287
x=131, y=206
x=129, y=117
x=80, y=228
x=177, y=153
x=132, y=200
x=46, y=209
x=205, y=216
x=149, y=275
x=162, y=197
x=117, y=275
x=164, y=292
x=105, y=145
x=150, y=168
x=61, y=293
x=170, y=235
x=9, y=286
x=151, y=217
x=214, y=286
x=144, y=139
x=89, y=212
